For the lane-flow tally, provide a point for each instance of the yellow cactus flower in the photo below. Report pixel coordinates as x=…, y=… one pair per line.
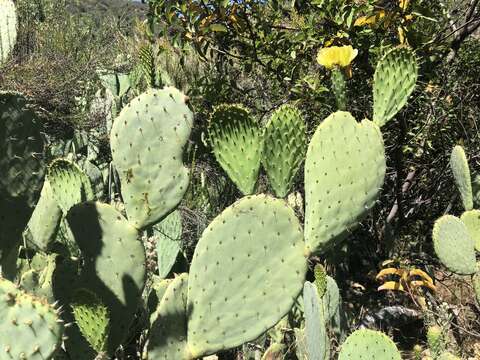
x=333, y=56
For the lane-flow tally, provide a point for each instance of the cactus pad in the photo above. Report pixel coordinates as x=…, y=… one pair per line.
x=237, y=144
x=114, y=262
x=461, y=174
x=471, y=219
x=70, y=185
x=92, y=318
x=169, y=237
x=147, y=141
x=8, y=28
x=344, y=172
x=247, y=270
x=168, y=336
x=394, y=81
x=43, y=225
x=30, y=327
x=284, y=148
x=368, y=344
x=453, y=245
x=316, y=339
x=21, y=149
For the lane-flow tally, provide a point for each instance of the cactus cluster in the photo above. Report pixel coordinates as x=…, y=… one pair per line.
x=250, y=264
x=455, y=240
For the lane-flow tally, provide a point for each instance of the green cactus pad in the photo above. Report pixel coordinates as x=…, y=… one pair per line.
x=331, y=300
x=461, y=174
x=147, y=141
x=471, y=219
x=30, y=327
x=168, y=335
x=21, y=149
x=339, y=88
x=394, y=81
x=236, y=140
x=247, y=270
x=43, y=225
x=8, y=28
x=169, y=237
x=368, y=344
x=114, y=262
x=21, y=166
x=285, y=144
x=320, y=280
x=316, y=339
x=70, y=185
x=344, y=172
x=453, y=245
x=92, y=318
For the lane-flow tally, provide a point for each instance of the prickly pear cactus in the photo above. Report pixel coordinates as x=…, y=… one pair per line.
x=368, y=344
x=471, y=219
x=168, y=335
x=316, y=338
x=114, y=262
x=344, y=172
x=394, y=81
x=247, y=270
x=320, y=280
x=453, y=245
x=21, y=149
x=168, y=234
x=21, y=166
x=236, y=140
x=461, y=174
x=8, y=28
x=92, y=318
x=43, y=225
x=30, y=327
x=285, y=144
x=147, y=141
x=70, y=185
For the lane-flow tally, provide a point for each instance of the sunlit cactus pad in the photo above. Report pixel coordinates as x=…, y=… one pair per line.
x=394, y=80
x=316, y=339
x=461, y=174
x=8, y=28
x=92, y=318
x=344, y=172
x=70, y=185
x=471, y=219
x=168, y=235
x=168, y=336
x=30, y=328
x=147, y=141
x=453, y=245
x=236, y=140
x=368, y=344
x=43, y=225
x=246, y=272
x=285, y=144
